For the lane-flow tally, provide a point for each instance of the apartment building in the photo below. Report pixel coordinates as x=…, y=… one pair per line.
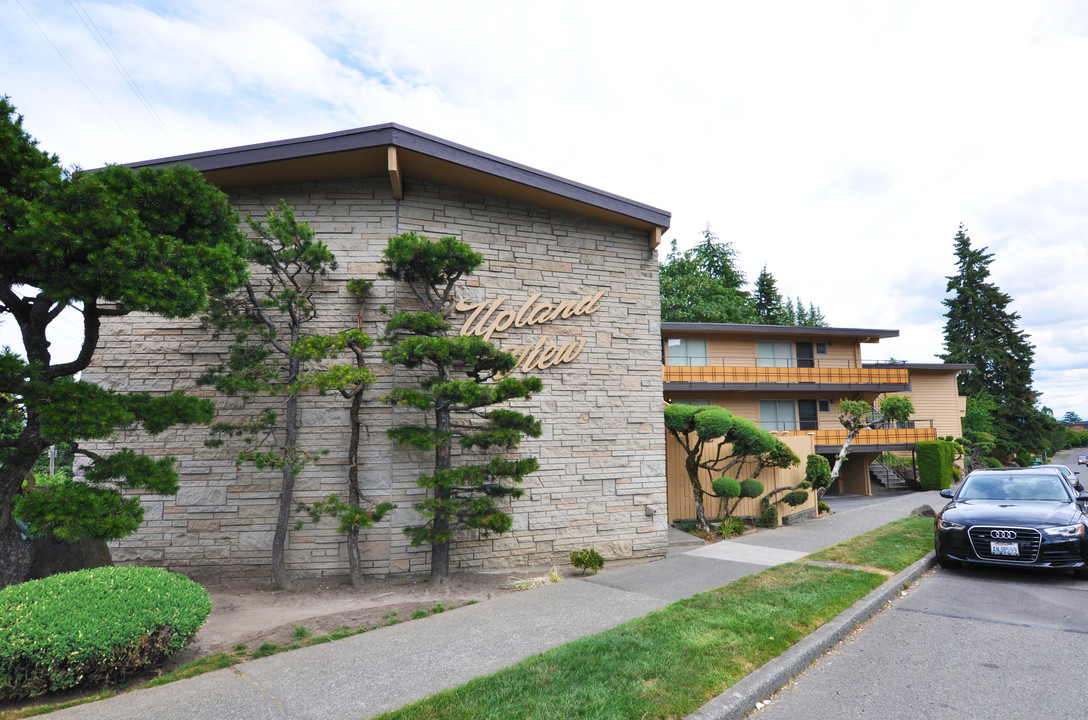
x=790, y=380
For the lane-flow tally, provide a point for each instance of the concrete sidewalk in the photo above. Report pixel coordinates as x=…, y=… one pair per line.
x=363, y=675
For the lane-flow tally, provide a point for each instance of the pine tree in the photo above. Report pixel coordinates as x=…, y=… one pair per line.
x=704, y=284
x=461, y=493
x=106, y=244
x=980, y=330
x=770, y=309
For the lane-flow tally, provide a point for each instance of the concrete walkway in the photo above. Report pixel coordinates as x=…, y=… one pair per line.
x=366, y=674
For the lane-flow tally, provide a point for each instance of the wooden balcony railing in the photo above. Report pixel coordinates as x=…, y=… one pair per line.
x=890, y=436
x=753, y=375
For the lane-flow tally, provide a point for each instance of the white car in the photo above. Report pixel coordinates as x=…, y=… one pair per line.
x=1082, y=460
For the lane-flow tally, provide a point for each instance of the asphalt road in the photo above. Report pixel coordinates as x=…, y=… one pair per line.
x=968, y=643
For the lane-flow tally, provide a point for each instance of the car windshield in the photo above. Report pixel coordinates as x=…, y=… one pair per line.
x=1013, y=487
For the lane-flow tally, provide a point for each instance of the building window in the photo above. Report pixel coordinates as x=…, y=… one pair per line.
x=821, y=348
x=777, y=415
x=687, y=352
x=774, y=354
x=825, y=406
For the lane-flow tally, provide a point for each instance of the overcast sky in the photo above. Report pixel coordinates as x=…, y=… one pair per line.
x=839, y=143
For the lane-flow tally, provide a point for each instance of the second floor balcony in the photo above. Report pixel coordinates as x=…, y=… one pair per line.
x=739, y=377
x=879, y=440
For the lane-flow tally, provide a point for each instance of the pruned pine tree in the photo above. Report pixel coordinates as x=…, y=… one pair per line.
x=266, y=322
x=104, y=244
x=717, y=441
x=458, y=381
x=351, y=380
x=858, y=415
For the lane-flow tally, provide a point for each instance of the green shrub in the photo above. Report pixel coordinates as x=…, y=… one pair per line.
x=823, y=507
x=751, y=488
x=768, y=518
x=726, y=487
x=934, y=458
x=795, y=497
x=818, y=471
x=94, y=627
x=731, y=527
x=587, y=559
x=992, y=462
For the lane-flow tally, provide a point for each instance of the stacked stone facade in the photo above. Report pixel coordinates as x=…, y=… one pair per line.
x=601, y=482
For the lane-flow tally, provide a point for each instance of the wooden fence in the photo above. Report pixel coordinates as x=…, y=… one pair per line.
x=680, y=494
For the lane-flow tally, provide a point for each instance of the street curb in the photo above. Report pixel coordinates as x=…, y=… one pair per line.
x=740, y=699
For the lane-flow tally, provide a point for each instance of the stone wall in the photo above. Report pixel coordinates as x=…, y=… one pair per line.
x=602, y=477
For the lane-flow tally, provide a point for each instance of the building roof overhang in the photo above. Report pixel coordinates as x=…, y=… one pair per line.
x=793, y=331
x=945, y=367
x=401, y=153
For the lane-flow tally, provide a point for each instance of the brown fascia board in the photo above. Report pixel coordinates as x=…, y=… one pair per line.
x=363, y=152
x=800, y=331
x=950, y=367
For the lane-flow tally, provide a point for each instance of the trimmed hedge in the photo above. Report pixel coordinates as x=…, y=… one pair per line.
x=94, y=626
x=934, y=459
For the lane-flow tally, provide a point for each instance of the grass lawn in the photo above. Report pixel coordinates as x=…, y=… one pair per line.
x=673, y=661
x=666, y=664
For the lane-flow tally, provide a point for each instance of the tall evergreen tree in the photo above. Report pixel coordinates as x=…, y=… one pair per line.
x=770, y=308
x=704, y=284
x=982, y=331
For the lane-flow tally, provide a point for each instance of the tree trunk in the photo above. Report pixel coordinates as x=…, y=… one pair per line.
x=287, y=495
x=697, y=491
x=440, y=552
x=355, y=568
x=14, y=554
x=843, y=452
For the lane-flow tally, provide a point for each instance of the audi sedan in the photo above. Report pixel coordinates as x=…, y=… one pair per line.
x=1018, y=518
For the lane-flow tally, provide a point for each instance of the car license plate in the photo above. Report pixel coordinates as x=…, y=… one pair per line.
x=1002, y=548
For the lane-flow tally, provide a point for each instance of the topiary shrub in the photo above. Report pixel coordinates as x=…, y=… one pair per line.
x=934, y=458
x=768, y=518
x=795, y=498
x=94, y=627
x=817, y=471
x=587, y=559
x=751, y=488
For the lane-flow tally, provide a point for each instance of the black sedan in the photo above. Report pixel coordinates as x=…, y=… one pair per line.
x=1016, y=518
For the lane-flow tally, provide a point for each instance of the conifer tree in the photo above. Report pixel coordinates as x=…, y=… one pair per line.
x=982, y=331
x=105, y=244
x=267, y=321
x=458, y=381
x=770, y=309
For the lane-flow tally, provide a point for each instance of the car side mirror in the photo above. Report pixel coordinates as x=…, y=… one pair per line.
x=1082, y=496
x=948, y=494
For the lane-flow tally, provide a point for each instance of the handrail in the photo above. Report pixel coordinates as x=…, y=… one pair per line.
x=745, y=374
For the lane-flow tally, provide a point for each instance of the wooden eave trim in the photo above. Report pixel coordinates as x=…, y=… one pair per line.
x=394, y=174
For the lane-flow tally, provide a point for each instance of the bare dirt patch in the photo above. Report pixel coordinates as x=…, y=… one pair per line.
x=252, y=616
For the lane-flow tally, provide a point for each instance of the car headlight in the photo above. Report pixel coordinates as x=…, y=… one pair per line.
x=949, y=525
x=1068, y=531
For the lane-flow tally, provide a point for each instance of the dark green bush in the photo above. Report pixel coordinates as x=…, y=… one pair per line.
x=587, y=559
x=768, y=518
x=751, y=488
x=934, y=459
x=818, y=471
x=795, y=497
x=992, y=462
x=93, y=627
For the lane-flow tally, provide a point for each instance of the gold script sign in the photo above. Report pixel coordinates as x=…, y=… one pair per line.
x=489, y=317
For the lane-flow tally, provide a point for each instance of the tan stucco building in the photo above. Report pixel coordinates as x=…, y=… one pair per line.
x=789, y=380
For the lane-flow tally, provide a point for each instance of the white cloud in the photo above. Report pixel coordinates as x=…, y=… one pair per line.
x=841, y=143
